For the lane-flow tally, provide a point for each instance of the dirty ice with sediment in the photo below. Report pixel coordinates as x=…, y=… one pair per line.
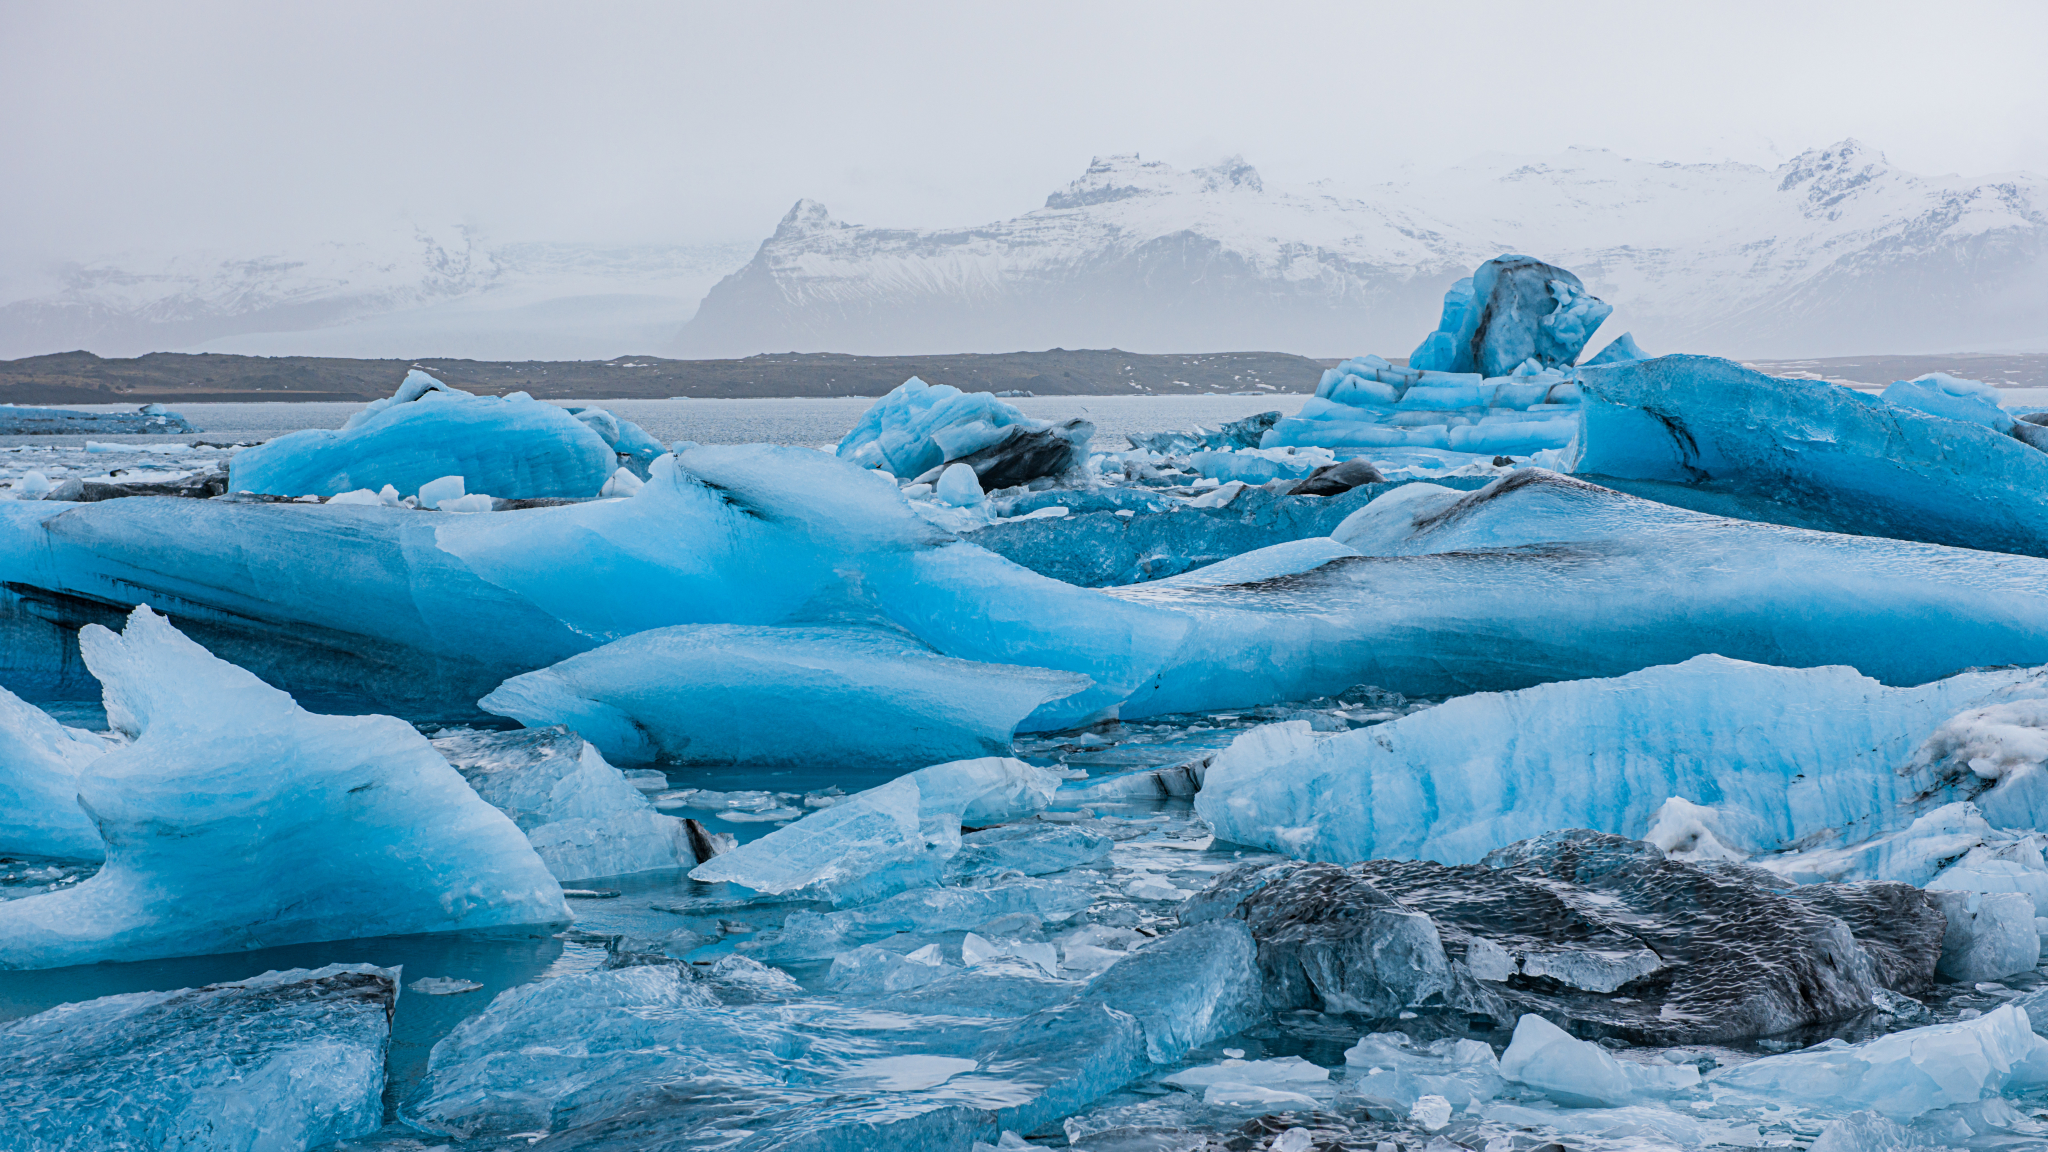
x=1524, y=745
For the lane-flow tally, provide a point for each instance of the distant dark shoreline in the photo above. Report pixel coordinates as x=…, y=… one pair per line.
x=174, y=377
x=171, y=377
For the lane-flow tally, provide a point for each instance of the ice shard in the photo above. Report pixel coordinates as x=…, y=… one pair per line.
x=236, y=820
x=40, y=762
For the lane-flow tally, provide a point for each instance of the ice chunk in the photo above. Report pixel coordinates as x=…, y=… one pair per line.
x=1197, y=985
x=285, y=1060
x=1689, y=831
x=1951, y=397
x=872, y=970
x=1709, y=434
x=1621, y=350
x=887, y=838
x=1285, y=1070
x=1579, y=1074
x=40, y=762
x=515, y=447
x=1905, y=1074
x=1990, y=935
x=918, y=426
x=1033, y=850
x=865, y=697
x=582, y=816
x=442, y=986
x=1780, y=753
x=1390, y=1066
x=237, y=820
x=957, y=486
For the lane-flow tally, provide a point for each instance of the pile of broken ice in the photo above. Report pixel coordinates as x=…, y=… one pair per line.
x=1508, y=750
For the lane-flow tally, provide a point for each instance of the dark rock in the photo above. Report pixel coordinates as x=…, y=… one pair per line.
x=2033, y=435
x=1335, y=479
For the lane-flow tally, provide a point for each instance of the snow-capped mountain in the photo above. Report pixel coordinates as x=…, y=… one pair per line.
x=441, y=292
x=1832, y=252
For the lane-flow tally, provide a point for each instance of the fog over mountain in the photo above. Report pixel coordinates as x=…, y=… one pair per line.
x=1833, y=252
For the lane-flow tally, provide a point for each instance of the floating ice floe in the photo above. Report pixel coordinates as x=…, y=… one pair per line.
x=285, y=1060
x=150, y=419
x=236, y=820
x=863, y=696
x=1709, y=434
x=1581, y=1074
x=580, y=814
x=918, y=428
x=514, y=447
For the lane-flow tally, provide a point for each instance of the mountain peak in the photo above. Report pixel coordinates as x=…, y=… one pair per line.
x=806, y=215
x=1831, y=174
x=1112, y=178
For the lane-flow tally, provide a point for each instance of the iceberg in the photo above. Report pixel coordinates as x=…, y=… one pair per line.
x=1705, y=433
x=285, y=1060
x=1512, y=309
x=918, y=428
x=514, y=448
x=581, y=815
x=866, y=697
x=236, y=820
x=895, y=836
x=1905, y=1074
x=1781, y=754
x=40, y=762
x=1367, y=404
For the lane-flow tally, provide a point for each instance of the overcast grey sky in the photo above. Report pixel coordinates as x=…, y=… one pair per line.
x=227, y=125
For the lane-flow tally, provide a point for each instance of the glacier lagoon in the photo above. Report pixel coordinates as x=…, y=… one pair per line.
x=1339, y=787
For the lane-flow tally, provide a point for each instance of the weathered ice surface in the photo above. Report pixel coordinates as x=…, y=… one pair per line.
x=40, y=762
x=580, y=814
x=866, y=697
x=1780, y=754
x=283, y=1061
x=236, y=820
x=513, y=447
x=1709, y=434
x=146, y=420
x=1585, y=927
x=1368, y=404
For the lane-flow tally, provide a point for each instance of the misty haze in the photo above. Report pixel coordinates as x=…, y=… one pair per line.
x=1113, y=577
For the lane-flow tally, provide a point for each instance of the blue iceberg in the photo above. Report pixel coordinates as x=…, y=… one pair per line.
x=866, y=697
x=1513, y=309
x=1781, y=754
x=40, y=763
x=513, y=448
x=1709, y=434
x=236, y=820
